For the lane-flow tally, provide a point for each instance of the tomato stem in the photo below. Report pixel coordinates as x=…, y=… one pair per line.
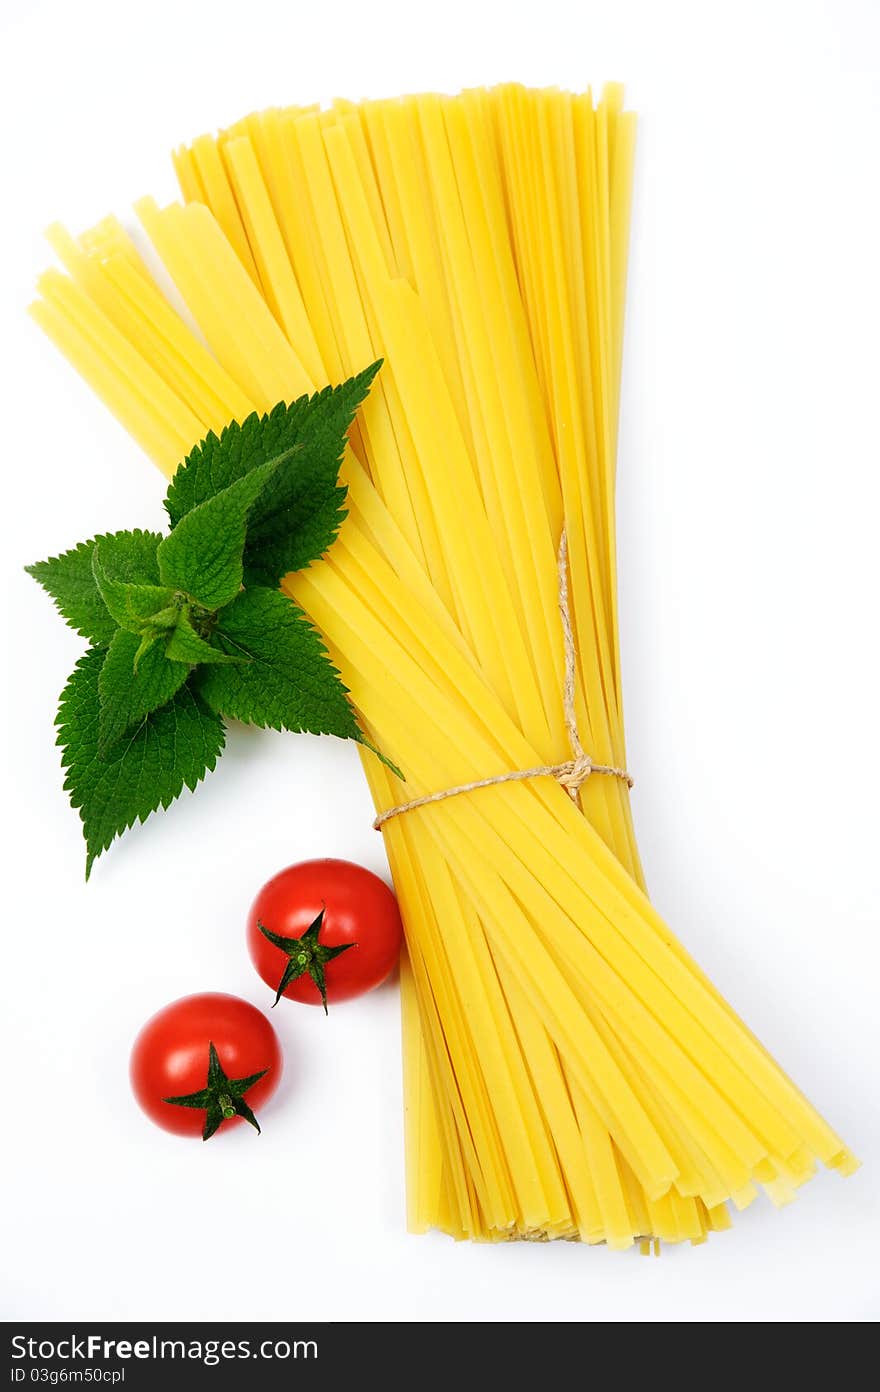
x=305, y=955
x=223, y=1098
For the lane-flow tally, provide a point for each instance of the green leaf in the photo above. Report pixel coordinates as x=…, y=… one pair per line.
x=148, y=641
x=299, y=513
x=290, y=682
x=185, y=645
x=203, y=555
x=134, y=607
x=130, y=556
x=128, y=693
x=173, y=747
x=71, y=582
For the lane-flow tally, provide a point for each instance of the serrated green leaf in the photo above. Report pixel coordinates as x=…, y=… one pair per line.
x=164, y=620
x=148, y=641
x=203, y=555
x=172, y=748
x=130, y=556
x=129, y=691
x=135, y=607
x=185, y=645
x=299, y=513
x=290, y=682
x=70, y=580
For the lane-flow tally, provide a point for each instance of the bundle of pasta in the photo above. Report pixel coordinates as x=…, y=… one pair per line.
x=569, y=1070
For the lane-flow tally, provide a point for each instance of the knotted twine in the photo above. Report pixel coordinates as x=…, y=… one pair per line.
x=572, y=773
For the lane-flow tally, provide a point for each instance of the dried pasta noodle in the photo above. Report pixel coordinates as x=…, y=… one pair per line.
x=569, y=1071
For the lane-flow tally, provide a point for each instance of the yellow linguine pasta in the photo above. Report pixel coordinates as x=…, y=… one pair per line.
x=569, y=1071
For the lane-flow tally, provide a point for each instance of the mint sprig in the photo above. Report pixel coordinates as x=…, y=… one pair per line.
x=297, y=516
x=132, y=684
x=170, y=749
x=273, y=637
x=189, y=629
x=70, y=578
x=203, y=556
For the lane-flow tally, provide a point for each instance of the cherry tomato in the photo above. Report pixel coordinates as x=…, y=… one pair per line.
x=324, y=930
x=204, y=1062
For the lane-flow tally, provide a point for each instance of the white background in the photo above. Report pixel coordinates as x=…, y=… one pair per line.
x=749, y=583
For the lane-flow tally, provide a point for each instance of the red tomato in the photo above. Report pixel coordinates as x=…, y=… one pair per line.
x=324, y=930
x=203, y=1062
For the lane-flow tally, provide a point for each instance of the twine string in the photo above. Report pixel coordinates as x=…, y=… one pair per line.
x=573, y=772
